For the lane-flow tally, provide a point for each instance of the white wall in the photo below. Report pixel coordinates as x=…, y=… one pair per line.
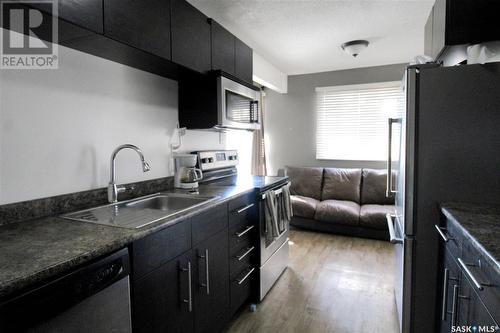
x=290, y=121
x=59, y=127
x=269, y=75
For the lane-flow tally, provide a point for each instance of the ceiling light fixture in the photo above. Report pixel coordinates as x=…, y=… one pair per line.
x=354, y=47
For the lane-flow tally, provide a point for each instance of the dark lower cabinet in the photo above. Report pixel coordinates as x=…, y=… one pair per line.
x=164, y=299
x=211, y=297
x=189, y=292
x=243, y=250
x=472, y=311
x=144, y=24
x=464, y=304
x=190, y=37
x=448, y=308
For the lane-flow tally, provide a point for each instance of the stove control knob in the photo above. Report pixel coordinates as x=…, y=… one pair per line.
x=204, y=160
x=210, y=160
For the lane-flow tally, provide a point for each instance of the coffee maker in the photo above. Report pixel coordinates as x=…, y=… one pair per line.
x=186, y=175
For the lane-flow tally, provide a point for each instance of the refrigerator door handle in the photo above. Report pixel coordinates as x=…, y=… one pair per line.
x=389, y=191
x=392, y=234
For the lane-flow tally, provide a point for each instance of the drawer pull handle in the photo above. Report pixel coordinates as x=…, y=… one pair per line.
x=243, y=279
x=467, y=271
x=445, y=294
x=241, y=210
x=442, y=234
x=243, y=255
x=247, y=229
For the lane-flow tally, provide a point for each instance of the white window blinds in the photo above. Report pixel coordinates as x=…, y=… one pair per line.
x=352, y=120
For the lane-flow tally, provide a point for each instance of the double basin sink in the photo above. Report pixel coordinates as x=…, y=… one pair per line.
x=140, y=212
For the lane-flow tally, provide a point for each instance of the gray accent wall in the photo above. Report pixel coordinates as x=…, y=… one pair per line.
x=290, y=123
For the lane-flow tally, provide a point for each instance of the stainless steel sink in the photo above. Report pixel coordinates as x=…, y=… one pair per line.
x=140, y=212
x=166, y=202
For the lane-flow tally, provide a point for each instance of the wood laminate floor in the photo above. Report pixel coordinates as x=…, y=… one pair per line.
x=333, y=284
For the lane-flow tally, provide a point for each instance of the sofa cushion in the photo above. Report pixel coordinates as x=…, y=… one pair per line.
x=373, y=186
x=306, y=182
x=341, y=184
x=338, y=211
x=304, y=206
x=373, y=216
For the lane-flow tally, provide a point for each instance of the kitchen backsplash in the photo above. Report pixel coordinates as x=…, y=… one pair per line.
x=58, y=127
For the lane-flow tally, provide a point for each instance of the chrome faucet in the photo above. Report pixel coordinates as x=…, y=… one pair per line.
x=114, y=189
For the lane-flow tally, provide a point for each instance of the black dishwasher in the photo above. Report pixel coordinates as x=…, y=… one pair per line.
x=92, y=299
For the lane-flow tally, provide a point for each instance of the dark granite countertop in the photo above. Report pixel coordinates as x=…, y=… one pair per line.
x=36, y=250
x=480, y=225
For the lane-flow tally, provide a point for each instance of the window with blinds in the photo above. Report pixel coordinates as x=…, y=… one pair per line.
x=352, y=121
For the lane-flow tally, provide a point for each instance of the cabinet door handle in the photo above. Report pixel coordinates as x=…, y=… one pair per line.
x=242, y=209
x=244, y=254
x=441, y=233
x=243, y=279
x=467, y=271
x=207, y=272
x=445, y=294
x=189, y=301
x=454, y=305
x=247, y=229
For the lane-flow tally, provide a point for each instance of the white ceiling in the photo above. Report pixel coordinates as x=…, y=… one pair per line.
x=304, y=36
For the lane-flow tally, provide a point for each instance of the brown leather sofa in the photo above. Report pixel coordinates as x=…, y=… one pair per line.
x=343, y=201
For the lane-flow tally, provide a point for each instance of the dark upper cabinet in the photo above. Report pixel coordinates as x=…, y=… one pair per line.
x=190, y=37
x=144, y=24
x=77, y=19
x=460, y=22
x=438, y=27
x=163, y=300
x=229, y=54
x=243, y=61
x=87, y=14
x=223, y=53
x=212, y=283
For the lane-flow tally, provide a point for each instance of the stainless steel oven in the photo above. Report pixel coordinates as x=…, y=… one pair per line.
x=237, y=105
x=273, y=250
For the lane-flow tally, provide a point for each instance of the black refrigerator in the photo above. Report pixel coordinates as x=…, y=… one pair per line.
x=444, y=146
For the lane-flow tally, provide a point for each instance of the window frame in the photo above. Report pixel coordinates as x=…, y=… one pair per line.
x=352, y=87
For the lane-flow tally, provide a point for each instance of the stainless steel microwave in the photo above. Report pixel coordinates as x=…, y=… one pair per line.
x=237, y=105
